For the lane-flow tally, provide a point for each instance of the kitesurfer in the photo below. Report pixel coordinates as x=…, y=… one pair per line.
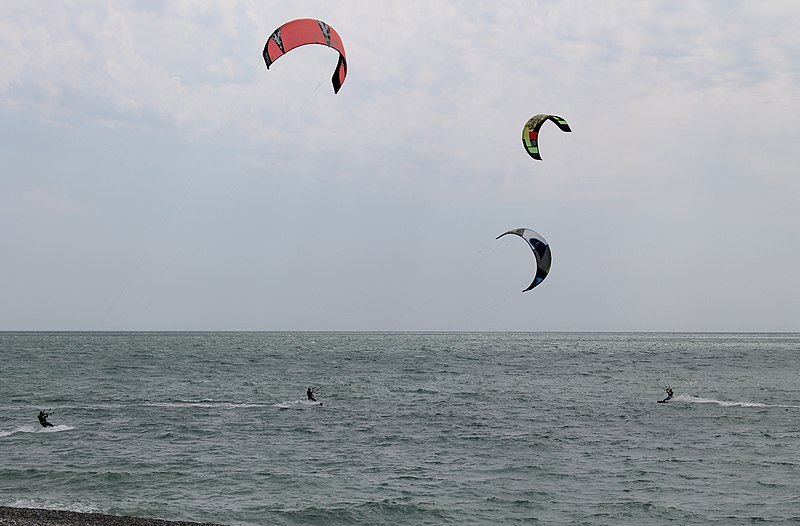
x=310, y=395
x=667, y=390
x=43, y=419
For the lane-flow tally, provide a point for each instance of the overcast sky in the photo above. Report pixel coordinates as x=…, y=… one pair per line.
x=156, y=176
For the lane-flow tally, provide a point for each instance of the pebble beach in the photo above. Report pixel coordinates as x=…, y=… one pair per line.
x=40, y=517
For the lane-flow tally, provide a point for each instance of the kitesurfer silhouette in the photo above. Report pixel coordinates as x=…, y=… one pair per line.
x=310, y=394
x=43, y=419
x=667, y=390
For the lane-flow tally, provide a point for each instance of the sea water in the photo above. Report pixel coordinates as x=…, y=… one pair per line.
x=414, y=428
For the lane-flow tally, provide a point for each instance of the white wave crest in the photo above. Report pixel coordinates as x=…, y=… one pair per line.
x=46, y=504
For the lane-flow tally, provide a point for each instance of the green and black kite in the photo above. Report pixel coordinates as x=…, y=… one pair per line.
x=530, y=133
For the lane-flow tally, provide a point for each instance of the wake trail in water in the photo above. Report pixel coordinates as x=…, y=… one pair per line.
x=296, y=404
x=728, y=403
x=206, y=404
x=33, y=429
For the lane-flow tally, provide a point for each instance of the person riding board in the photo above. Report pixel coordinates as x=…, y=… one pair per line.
x=667, y=390
x=310, y=394
x=42, y=417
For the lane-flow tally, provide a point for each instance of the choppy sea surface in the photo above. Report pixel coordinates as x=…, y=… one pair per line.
x=415, y=428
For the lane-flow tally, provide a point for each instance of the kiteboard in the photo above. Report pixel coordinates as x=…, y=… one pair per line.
x=661, y=401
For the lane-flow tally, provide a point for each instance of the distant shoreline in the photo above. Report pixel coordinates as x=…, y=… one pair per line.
x=135, y=332
x=41, y=517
